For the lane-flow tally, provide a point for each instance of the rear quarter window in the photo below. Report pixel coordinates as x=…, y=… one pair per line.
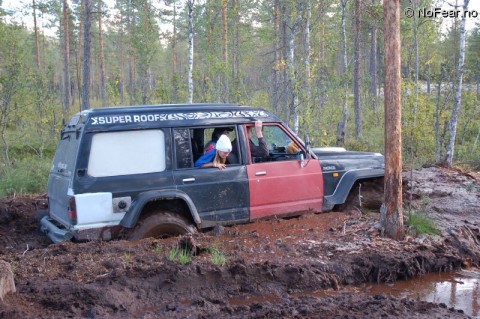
x=127, y=153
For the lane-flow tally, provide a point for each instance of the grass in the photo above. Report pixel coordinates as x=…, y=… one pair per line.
x=184, y=256
x=421, y=224
x=26, y=176
x=172, y=254
x=218, y=258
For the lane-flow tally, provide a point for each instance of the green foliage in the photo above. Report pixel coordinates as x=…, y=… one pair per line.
x=184, y=256
x=173, y=253
x=217, y=257
x=420, y=224
x=26, y=176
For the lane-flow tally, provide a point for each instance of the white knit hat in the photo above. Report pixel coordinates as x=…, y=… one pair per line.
x=224, y=144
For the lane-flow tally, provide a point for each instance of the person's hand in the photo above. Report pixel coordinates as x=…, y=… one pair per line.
x=258, y=128
x=220, y=166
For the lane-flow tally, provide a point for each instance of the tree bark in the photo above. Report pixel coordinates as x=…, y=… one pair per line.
x=190, y=4
x=356, y=72
x=86, y=55
x=373, y=64
x=66, y=59
x=292, y=78
x=225, y=31
x=342, y=124
x=391, y=212
x=35, y=27
x=308, y=48
x=78, y=55
x=103, y=90
x=458, y=88
x=277, y=57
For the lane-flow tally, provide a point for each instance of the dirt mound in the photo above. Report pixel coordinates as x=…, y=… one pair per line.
x=19, y=226
x=283, y=268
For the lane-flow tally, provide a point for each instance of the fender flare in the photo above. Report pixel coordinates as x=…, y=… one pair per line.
x=346, y=183
x=131, y=217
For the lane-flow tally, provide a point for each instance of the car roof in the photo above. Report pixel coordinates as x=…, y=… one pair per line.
x=172, y=115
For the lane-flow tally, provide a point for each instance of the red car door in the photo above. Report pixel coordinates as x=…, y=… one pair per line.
x=278, y=184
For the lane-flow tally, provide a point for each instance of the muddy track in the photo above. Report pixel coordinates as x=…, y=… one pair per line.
x=284, y=268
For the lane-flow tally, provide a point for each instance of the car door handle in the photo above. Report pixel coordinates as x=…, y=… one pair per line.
x=188, y=180
x=260, y=173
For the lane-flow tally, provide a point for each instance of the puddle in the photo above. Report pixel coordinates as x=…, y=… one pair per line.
x=460, y=290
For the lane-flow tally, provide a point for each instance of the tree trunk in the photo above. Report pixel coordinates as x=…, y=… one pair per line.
x=429, y=70
x=307, y=50
x=292, y=78
x=86, y=55
x=236, y=43
x=225, y=31
x=373, y=64
x=458, y=88
x=66, y=59
x=277, y=57
x=438, y=146
x=391, y=212
x=78, y=55
x=285, y=54
x=35, y=28
x=356, y=72
x=342, y=124
x=174, y=40
x=103, y=90
x=190, y=4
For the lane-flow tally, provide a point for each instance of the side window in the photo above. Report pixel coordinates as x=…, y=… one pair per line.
x=183, y=150
x=280, y=146
x=192, y=143
x=126, y=153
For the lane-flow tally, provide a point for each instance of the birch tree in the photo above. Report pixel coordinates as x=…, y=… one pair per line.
x=458, y=88
x=356, y=71
x=190, y=4
x=35, y=31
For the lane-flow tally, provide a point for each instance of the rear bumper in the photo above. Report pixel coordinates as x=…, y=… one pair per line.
x=55, y=233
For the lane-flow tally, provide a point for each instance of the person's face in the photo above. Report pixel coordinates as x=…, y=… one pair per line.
x=222, y=154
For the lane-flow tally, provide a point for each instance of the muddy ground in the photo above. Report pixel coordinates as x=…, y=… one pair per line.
x=281, y=268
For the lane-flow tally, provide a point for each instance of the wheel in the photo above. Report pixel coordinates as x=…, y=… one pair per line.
x=162, y=224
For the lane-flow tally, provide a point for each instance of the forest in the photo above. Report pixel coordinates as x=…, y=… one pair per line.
x=317, y=64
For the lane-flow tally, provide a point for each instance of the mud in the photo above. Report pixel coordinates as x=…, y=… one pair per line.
x=280, y=268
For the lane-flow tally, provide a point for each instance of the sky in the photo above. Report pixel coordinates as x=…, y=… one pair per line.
x=26, y=17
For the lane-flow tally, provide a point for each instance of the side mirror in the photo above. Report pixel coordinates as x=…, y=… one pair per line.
x=308, y=143
x=302, y=161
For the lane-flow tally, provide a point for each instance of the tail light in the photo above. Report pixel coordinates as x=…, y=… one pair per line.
x=72, y=210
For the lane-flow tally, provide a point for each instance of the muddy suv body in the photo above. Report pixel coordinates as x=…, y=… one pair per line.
x=130, y=172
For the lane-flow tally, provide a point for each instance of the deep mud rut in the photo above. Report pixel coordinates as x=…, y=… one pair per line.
x=283, y=268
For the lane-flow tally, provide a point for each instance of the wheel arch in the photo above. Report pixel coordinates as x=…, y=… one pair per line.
x=173, y=200
x=346, y=184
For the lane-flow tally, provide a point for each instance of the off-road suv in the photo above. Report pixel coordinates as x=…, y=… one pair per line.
x=130, y=171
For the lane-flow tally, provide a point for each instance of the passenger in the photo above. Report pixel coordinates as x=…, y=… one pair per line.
x=217, y=157
x=217, y=132
x=260, y=150
x=292, y=148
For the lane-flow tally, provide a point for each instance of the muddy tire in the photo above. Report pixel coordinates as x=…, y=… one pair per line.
x=162, y=224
